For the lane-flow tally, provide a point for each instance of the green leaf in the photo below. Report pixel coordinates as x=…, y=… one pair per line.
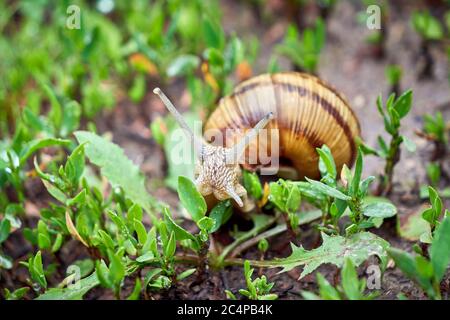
x=44, y=241
x=252, y=184
x=56, y=112
x=157, y=127
x=37, y=270
x=74, y=292
x=180, y=233
x=220, y=214
x=411, y=225
x=183, y=65
x=358, y=247
x=173, y=140
x=5, y=228
x=350, y=282
x=277, y=196
x=186, y=274
x=326, y=162
x=354, y=186
x=34, y=145
x=212, y=33
x=326, y=290
x=191, y=199
x=80, y=198
x=409, y=267
x=214, y=57
x=171, y=246
x=71, y=118
x=440, y=249
x=327, y=190
x=409, y=144
x=136, y=291
x=116, y=268
x=5, y=262
x=113, y=163
x=379, y=210
x=140, y=231
x=55, y=192
x=16, y=294
x=206, y=224
x=75, y=165
x=403, y=104
x=293, y=200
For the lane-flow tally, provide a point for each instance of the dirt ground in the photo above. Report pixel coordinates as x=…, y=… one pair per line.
x=346, y=65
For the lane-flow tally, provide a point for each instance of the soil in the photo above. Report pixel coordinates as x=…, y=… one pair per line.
x=347, y=64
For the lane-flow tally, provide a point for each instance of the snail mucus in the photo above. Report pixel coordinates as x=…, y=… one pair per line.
x=305, y=112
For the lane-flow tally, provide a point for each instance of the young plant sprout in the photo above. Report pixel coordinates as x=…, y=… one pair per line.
x=219, y=170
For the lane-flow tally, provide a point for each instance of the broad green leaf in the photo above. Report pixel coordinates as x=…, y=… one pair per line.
x=37, y=270
x=214, y=57
x=191, y=199
x=180, y=233
x=55, y=192
x=5, y=228
x=183, y=65
x=186, y=274
x=411, y=225
x=252, y=184
x=136, y=291
x=170, y=246
x=293, y=199
x=403, y=104
x=75, y=165
x=5, y=262
x=358, y=248
x=326, y=162
x=176, y=148
x=75, y=291
x=220, y=214
x=326, y=290
x=409, y=144
x=350, y=282
x=354, y=185
x=206, y=224
x=379, y=210
x=117, y=168
x=409, y=267
x=329, y=191
x=56, y=112
x=140, y=231
x=212, y=33
x=116, y=268
x=440, y=249
x=34, y=145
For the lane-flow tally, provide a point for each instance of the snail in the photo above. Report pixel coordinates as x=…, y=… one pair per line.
x=305, y=112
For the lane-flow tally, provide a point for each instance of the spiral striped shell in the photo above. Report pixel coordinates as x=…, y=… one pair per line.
x=308, y=114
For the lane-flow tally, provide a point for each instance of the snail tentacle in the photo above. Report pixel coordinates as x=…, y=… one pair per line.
x=233, y=194
x=233, y=154
x=198, y=142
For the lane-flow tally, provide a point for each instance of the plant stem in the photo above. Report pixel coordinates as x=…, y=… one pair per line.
x=203, y=259
x=385, y=185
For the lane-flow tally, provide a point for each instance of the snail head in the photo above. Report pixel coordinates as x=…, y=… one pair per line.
x=217, y=171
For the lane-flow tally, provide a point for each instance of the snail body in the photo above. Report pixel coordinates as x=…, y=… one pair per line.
x=305, y=113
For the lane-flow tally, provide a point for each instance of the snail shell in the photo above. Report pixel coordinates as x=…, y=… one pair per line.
x=308, y=114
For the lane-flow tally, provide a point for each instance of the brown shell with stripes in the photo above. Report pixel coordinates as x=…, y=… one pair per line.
x=308, y=113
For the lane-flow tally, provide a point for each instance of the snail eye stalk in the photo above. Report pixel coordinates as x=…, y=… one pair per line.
x=238, y=149
x=198, y=143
